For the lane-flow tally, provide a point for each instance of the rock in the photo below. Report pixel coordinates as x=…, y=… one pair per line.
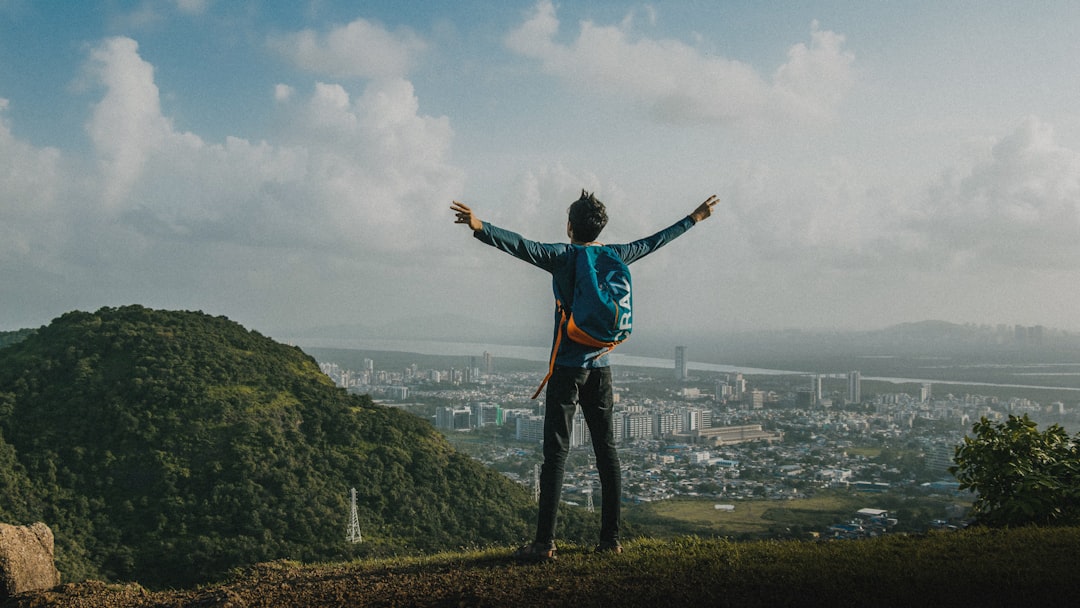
x=26, y=559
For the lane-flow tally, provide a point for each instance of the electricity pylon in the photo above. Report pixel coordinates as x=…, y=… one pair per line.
x=353, y=533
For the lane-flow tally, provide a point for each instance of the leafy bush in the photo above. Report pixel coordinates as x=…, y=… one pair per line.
x=1020, y=475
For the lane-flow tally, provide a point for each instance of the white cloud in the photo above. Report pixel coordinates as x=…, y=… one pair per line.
x=1019, y=208
x=154, y=210
x=346, y=177
x=283, y=92
x=680, y=83
x=360, y=49
x=1015, y=211
x=31, y=214
x=127, y=125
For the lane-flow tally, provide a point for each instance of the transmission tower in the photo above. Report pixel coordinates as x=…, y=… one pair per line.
x=353, y=533
x=536, y=482
x=589, y=505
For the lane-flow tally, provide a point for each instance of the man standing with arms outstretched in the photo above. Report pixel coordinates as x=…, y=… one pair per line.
x=580, y=374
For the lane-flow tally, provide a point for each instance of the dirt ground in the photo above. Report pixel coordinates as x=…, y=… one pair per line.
x=286, y=585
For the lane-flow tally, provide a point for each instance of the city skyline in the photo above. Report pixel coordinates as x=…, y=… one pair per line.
x=290, y=165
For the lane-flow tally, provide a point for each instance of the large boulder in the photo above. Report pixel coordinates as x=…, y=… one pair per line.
x=26, y=559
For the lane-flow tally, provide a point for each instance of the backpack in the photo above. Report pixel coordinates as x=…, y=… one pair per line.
x=600, y=312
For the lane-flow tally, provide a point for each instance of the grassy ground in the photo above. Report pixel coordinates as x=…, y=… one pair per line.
x=974, y=567
x=757, y=516
x=800, y=518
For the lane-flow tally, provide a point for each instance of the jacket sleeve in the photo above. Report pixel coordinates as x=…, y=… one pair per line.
x=542, y=255
x=631, y=252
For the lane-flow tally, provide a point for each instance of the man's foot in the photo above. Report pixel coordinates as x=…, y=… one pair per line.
x=536, y=552
x=609, y=546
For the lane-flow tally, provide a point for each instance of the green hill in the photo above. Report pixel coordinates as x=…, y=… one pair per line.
x=169, y=447
x=974, y=567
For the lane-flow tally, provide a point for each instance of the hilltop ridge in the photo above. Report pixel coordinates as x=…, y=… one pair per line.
x=985, y=567
x=170, y=447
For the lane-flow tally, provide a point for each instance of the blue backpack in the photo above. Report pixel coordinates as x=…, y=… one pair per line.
x=600, y=312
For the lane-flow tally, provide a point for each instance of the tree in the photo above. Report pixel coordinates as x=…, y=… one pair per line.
x=1020, y=475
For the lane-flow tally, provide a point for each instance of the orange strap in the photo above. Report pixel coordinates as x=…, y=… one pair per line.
x=554, y=350
x=610, y=346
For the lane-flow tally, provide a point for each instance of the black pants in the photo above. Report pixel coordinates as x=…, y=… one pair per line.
x=568, y=388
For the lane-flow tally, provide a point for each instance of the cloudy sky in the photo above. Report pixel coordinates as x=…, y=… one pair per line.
x=291, y=164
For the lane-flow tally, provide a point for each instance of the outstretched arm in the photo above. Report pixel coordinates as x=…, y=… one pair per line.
x=537, y=254
x=704, y=210
x=640, y=248
x=466, y=216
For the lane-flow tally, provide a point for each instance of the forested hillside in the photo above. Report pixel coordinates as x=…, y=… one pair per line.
x=168, y=447
x=11, y=337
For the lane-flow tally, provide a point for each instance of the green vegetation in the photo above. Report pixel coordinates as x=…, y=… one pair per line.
x=798, y=519
x=168, y=447
x=974, y=567
x=8, y=338
x=1020, y=475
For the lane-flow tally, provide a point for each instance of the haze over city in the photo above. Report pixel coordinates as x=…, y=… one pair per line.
x=291, y=164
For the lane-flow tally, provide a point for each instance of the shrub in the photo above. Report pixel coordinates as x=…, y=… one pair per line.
x=1020, y=475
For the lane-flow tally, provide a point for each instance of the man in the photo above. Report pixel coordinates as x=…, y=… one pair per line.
x=580, y=374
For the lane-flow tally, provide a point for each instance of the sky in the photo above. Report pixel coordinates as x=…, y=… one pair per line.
x=291, y=164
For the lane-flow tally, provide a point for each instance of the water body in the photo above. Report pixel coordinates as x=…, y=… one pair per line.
x=542, y=354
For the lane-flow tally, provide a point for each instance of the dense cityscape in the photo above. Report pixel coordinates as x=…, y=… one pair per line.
x=725, y=437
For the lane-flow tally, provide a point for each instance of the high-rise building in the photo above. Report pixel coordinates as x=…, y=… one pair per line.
x=738, y=388
x=694, y=418
x=637, y=426
x=454, y=418
x=529, y=428
x=680, y=363
x=854, y=387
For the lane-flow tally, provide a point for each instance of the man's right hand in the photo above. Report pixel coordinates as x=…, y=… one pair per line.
x=704, y=210
x=466, y=216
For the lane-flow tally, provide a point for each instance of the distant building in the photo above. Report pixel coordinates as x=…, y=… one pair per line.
x=529, y=428
x=666, y=424
x=939, y=458
x=453, y=418
x=579, y=435
x=731, y=435
x=738, y=387
x=854, y=383
x=693, y=419
x=680, y=363
x=637, y=426
x=486, y=414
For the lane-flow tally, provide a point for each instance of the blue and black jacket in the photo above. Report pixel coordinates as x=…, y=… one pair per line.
x=556, y=258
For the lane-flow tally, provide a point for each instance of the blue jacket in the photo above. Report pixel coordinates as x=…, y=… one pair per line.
x=555, y=258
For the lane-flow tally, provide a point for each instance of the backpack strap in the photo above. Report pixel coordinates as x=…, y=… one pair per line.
x=554, y=349
x=564, y=321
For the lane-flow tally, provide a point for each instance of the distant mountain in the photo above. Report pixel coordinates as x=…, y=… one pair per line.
x=445, y=327
x=169, y=447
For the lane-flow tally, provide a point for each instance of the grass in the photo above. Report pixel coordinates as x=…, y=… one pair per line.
x=973, y=567
x=757, y=516
x=758, y=519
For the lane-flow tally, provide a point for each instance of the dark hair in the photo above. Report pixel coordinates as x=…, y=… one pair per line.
x=587, y=217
